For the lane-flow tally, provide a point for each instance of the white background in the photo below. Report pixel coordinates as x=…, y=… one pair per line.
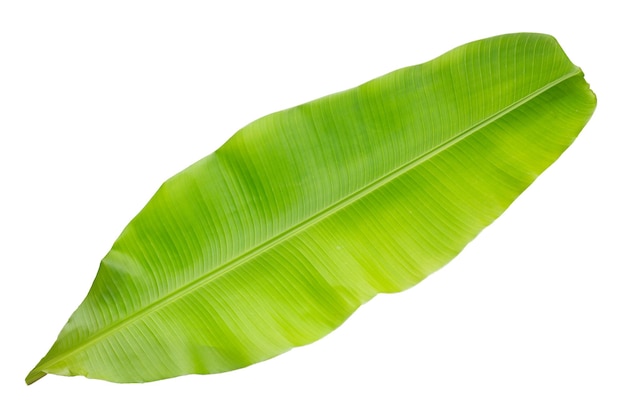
x=100, y=102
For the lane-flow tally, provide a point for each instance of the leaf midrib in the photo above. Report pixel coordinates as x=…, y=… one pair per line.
x=294, y=230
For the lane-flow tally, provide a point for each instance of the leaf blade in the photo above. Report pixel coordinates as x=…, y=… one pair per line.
x=156, y=276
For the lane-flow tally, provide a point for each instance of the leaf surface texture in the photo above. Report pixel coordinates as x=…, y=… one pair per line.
x=276, y=238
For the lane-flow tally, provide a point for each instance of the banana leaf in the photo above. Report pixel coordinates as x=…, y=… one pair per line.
x=280, y=235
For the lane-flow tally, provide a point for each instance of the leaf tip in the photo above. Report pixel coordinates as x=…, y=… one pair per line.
x=34, y=376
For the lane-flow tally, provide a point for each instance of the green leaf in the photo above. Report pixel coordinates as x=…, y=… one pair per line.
x=276, y=238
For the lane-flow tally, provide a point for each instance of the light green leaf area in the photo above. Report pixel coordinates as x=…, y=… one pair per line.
x=276, y=238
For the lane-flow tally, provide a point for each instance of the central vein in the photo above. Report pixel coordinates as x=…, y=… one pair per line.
x=294, y=230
